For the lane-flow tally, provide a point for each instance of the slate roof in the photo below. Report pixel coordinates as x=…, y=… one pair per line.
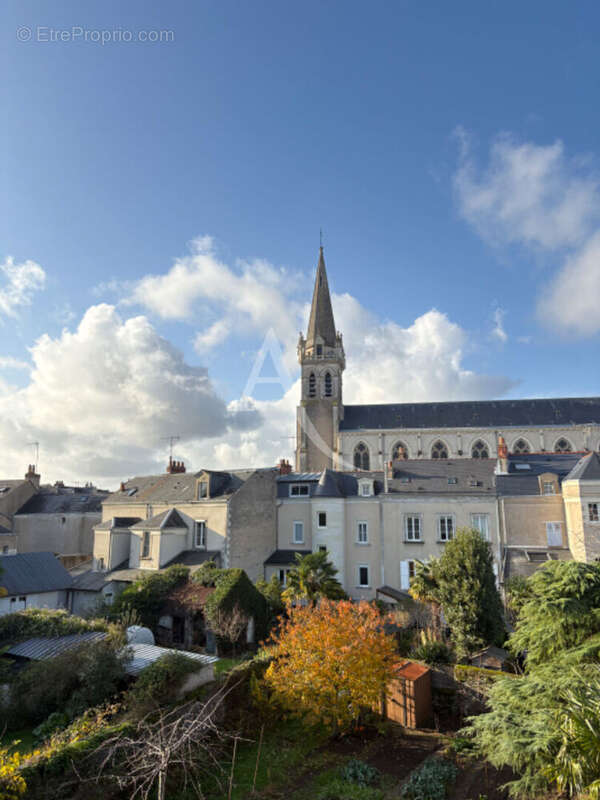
x=165, y=520
x=9, y=484
x=525, y=481
x=116, y=522
x=28, y=573
x=586, y=469
x=90, y=581
x=188, y=558
x=321, y=321
x=473, y=414
x=64, y=501
x=525, y=561
x=443, y=476
x=179, y=487
x=283, y=557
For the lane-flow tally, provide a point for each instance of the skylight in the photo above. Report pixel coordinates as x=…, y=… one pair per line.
x=522, y=466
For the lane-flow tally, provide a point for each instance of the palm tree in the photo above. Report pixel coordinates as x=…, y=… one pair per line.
x=424, y=588
x=313, y=577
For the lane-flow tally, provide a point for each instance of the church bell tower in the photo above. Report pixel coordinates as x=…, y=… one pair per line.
x=322, y=361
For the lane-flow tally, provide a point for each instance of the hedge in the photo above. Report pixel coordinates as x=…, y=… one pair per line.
x=44, y=622
x=147, y=596
x=233, y=588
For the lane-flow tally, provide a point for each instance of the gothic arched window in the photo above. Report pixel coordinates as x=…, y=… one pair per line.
x=327, y=384
x=399, y=450
x=361, y=456
x=480, y=450
x=521, y=446
x=563, y=446
x=312, y=385
x=439, y=450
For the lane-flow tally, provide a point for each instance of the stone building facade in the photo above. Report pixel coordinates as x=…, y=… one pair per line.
x=344, y=437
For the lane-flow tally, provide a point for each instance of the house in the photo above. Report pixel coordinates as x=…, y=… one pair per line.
x=375, y=525
x=32, y=580
x=61, y=519
x=13, y=495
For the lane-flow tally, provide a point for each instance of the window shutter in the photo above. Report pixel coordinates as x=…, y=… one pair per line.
x=404, y=577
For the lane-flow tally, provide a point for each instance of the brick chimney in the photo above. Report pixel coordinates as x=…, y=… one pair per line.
x=284, y=467
x=32, y=475
x=122, y=487
x=502, y=463
x=175, y=467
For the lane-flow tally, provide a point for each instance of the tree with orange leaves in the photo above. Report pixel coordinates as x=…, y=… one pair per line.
x=331, y=661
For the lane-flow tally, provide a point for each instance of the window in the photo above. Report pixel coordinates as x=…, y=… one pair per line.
x=319, y=350
x=548, y=487
x=101, y=564
x=362, y=533
x=399, y=451
x=322, y=519
x=131, y=492
x=322, y=548
x=146, y=544
x=481, y=523
x=521, y=446
x=202, y=490
x=5, y=549
x=312, y=385
x=299, y=490
x=366, y=488
x=327, y=384
x=480, y=450
x=407, y=573
x=361, y=456
x=593, y=512
x=108, y=598
x=363, y=575
x=298, y=536
x=412, y=528
x=200, y=534
x=554, y=534
x=445, y=528
x=283, y=573
x=563, y=446
x=452, y=481
x=439, y=450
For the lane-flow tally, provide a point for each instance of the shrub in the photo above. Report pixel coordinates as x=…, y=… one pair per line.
x=338, y=789
x=405, y=638
x=71, y=682
x=45, y=622
x=357, y=771
x=159, y=683
x=233, y=589
x=12, y=783
x=432, y=651
x=147, y=596
x=55, y=722
x=430, y=781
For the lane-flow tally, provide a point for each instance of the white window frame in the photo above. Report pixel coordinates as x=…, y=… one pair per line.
x=145, y=538
x=200, y=485
x=322, y=527
x=406, y=567
x=200, y=525
x=366, y=489
x=299, y=486
x=556, y=527
x=295, y=540
x=548, y=485
x=283, y=573
x=481, y=515
x=593, y=516
x=360, y=540
x=419, y=518
x=445, y=517
x=366, y=585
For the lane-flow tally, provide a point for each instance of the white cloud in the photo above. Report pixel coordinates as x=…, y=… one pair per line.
x=535, y=196
x=18, y=282
x=101, y=398
x=498, y=331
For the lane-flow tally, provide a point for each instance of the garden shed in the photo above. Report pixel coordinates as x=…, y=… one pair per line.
x=408, y=698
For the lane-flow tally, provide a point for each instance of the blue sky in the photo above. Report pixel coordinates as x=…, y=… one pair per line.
x=449, y=152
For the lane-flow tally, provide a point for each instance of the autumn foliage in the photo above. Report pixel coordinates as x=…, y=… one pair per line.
x=331, y=661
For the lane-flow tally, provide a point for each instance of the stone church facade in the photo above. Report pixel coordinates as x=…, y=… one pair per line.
x=366, y=437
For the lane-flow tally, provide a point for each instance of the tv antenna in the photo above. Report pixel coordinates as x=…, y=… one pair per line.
x=37, y=453
x=171, y=440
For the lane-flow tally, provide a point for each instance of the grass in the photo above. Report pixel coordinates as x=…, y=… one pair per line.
x=24, y=736
x=223, y=665
x=330, y=784
x=286, y=748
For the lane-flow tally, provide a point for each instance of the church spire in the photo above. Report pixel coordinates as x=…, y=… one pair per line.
x=321, y=321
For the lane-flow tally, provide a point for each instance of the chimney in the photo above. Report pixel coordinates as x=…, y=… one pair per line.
x=502, y=463
x=175, y=467
x=122, y=487
x=31, y=475
x=284, y=467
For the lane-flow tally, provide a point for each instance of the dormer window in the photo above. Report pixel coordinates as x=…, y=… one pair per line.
x=202, y=490
x=365, y=488
x=299, y=490
x=548, y=487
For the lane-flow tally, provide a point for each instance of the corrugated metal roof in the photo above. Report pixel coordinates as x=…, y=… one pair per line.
x=26, y=573
x=43, y=648
x=146, y=654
